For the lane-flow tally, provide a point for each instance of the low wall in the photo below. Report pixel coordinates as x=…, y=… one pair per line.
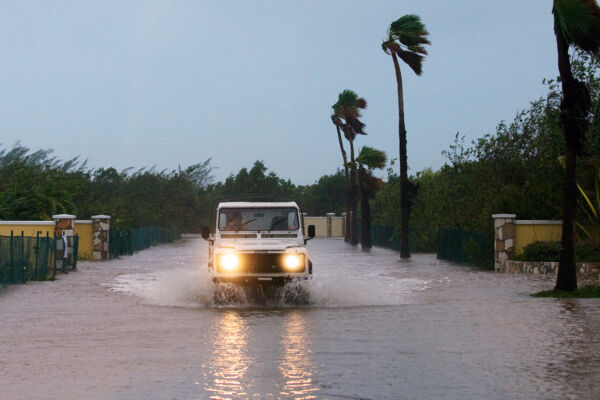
x=83, y=228
x=512, y=235
x=329, y=226
x=529, y=231
x=586, y=272
x=29, y=228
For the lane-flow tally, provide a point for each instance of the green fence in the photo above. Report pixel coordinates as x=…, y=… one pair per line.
x=385, y=236
x=128, y=242
x=24, y=258
x=465, y=247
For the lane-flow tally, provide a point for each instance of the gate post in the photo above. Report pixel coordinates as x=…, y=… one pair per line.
x=101, y=229
x=504, y=238
x=344, y=224
x=64, y=225
x=329, y=221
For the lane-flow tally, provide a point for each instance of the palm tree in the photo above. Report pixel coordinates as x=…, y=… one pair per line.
x=405, y=40
x=338, y=123
x=347, y=110
x=576, y=22
x=369, y=186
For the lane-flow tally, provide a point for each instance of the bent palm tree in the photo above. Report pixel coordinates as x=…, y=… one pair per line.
x=576, y=22
x=405, y=40
x=369, y=186
x=338, y=123
x=347, y=110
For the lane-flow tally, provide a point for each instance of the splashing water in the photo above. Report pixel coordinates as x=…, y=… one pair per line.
x=347, y=279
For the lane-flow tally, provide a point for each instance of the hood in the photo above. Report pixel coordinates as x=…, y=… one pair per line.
x=256, y=245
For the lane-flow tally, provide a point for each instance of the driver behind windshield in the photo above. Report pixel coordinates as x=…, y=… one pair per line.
x=234, y=222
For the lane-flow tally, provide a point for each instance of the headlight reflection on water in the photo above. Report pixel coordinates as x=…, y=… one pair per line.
x=295, y=366
x=230, y=357
x=235, y=373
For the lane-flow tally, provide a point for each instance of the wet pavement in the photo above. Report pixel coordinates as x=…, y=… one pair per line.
x=147, y=326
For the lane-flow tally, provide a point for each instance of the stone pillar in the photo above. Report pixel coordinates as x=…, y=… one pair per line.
x=343, y=224
x=329, y=229
x=64, y=225
x=504, y=238
x=100, y=243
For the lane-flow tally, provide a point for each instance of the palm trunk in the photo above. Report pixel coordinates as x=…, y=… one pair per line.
x=567, y=272
x=404, y=200
x=365, y=227
x=353, y=198
x=348, y=202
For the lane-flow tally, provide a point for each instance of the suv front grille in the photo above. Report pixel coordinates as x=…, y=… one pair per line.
x=262, y=263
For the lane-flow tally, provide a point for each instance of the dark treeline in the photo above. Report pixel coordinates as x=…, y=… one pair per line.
x=35, y=185
x=516, y=169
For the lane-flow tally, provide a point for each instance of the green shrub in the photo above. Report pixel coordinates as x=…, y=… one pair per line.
x=550, y=251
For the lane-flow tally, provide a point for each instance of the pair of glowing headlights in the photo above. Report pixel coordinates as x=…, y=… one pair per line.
x=232, y=262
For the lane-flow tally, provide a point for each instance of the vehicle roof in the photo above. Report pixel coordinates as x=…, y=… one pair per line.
x=257, y=204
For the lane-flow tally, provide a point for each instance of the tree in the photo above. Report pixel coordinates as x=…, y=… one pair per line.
x=368, y=159
x=405, y=40
x=576, y=22
x=338, y=123
x=347, y=110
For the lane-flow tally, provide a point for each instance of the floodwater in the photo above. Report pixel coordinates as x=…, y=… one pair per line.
x=148, y=327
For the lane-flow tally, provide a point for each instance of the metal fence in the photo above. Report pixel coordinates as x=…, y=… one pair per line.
x=465, y=247
x=24, y=258
x=386, y=236
x=128, y=242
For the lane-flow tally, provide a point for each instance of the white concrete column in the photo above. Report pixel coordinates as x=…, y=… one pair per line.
x=329, y=229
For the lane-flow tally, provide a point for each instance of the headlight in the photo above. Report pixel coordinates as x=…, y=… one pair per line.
x=293, y=262
x=229, y=262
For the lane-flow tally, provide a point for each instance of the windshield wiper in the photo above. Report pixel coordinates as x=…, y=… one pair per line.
x=277, y=222
x=239, y=227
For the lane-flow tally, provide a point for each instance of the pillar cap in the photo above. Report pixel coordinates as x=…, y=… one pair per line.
x=101, y=216
x=63, y=216
x=496, y=216
x=330, y=214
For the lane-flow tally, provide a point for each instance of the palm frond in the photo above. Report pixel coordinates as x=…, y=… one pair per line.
x=409, y=30
x=413, y=60
x=578, y=22
x=372, y=158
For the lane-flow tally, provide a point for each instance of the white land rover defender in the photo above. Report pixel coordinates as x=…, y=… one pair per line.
x=257, y=241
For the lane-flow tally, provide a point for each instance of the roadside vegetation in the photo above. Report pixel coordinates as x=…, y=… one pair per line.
x=517, y=168
x=586, y=292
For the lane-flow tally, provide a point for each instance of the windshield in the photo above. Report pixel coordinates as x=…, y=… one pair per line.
x=258, y=219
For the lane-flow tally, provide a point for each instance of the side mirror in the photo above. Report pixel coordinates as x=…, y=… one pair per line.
x=205, y=232
x=311, y=231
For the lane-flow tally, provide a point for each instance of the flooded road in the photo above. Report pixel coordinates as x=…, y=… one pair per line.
x=147, y=326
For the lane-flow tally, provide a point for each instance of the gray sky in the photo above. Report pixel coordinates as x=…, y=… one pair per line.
x=168, y=83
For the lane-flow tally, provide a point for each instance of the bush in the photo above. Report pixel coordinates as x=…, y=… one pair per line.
x=550, y=251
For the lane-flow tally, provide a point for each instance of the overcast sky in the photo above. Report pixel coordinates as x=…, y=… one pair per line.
x=168, y=83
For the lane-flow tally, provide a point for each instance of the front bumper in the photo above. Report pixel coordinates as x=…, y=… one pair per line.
x=258, y=280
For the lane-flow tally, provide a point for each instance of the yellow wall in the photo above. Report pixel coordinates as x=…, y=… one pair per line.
x=529, y=233
x=336, y=227
x=28, y=230
x=84, y=230
x=86, y=234
x=320, y=224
